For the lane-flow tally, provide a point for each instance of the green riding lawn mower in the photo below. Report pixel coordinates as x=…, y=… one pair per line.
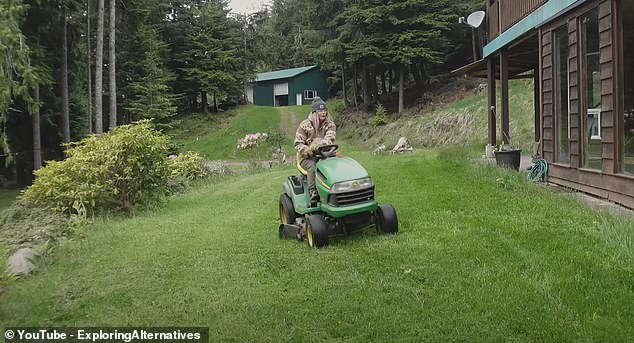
x=346, y=203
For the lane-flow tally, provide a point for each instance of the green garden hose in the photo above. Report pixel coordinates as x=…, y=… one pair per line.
x=538, y=171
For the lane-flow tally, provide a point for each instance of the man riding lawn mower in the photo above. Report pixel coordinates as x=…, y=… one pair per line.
x=333, y=195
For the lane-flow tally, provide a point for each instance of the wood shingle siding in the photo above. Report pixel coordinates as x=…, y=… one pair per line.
x=574, y=99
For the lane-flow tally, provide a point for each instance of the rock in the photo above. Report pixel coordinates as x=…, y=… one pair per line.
x=20, y=263
x=379, y=150
x=402, y=145
x=482, y=87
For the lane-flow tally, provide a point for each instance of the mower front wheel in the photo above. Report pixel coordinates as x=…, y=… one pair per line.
x=386, y=220
x=316, y=231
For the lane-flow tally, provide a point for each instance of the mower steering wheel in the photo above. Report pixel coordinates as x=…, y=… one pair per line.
x=328, y=150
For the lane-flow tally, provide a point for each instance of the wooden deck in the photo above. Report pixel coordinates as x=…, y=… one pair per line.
x=503, y=14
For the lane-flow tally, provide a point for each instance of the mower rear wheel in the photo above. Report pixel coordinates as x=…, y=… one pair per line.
x=386, y=220
x=316, y=231
x=287, y=211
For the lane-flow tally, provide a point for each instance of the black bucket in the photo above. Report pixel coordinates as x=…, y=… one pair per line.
x=508, y=159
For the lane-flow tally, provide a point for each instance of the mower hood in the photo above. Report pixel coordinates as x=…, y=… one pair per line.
x=339, y=169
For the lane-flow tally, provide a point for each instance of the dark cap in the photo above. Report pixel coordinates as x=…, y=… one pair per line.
x=319, y=105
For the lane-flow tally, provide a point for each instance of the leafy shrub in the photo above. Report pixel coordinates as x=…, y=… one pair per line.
x=114, y=171
x=185, y=168
x=188, y=165
x=380, y=117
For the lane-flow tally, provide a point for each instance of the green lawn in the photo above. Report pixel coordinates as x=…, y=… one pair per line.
x=473, y=262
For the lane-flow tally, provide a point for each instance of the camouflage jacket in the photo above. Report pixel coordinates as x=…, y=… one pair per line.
x=308, y=133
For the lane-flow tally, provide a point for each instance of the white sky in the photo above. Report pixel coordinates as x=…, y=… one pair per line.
x=246, y=6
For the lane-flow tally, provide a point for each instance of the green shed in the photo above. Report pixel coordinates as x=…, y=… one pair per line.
x=288, y=87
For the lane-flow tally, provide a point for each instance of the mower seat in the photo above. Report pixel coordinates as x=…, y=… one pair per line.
x=299, y=166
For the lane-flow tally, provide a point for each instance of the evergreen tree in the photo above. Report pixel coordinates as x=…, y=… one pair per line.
x=214, y=61
x=150, y=95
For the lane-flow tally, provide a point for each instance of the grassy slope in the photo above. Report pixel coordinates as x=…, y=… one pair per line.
x=473, y=262
x=422, y=133
x=217, y=139
x=216, y=136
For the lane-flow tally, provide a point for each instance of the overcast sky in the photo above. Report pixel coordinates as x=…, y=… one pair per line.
x=246, y=6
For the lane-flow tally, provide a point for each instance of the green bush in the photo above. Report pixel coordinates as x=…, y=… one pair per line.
x=184, y=169
x=188, y=165
x=380, y=117
x=111, y=172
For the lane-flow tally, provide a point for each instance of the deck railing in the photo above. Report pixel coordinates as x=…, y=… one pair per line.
x=503, y=14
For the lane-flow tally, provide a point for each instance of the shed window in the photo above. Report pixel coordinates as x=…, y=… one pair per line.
x=310, y=95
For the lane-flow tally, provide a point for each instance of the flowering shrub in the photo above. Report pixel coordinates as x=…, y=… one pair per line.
x=251, y=140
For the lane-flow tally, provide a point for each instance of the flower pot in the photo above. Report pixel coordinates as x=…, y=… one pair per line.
x=508, y=158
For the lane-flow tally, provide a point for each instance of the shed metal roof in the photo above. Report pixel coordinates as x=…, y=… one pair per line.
x=282, y=74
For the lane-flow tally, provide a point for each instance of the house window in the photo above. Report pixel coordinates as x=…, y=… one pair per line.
x=593, y=150
x=627, y=40
x=561, y=88
x=310, y=95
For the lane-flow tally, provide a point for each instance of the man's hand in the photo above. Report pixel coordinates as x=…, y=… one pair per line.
x=313, y=150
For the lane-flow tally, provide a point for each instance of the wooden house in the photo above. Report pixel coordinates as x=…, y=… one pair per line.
x=580, y=54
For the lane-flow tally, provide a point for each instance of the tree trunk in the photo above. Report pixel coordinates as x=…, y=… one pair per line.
x=374, y=87
x=112, y=65
x=203, y=98
x=343, y=81
x=391, y=86
x=215, y=104
x=383, y=83
x=65, y=107
x=364, y=85
x=99, y=71
x=355, y=92
x=401, y=89
x=37, y=142
x=90, y=126
x=422, y=76
x=417, y=78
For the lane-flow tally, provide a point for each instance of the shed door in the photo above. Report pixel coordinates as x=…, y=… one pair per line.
x=281, y=88
x=250, y=95
x=299, y=99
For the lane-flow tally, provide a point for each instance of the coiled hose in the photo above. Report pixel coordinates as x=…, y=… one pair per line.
x=538, y=171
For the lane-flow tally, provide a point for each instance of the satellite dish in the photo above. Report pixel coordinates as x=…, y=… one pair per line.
x=475, y=19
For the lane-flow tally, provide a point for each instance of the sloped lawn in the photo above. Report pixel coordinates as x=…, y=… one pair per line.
x=474, y=261
x=215, y=136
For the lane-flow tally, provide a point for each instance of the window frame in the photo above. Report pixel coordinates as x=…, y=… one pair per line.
x=306, y=97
